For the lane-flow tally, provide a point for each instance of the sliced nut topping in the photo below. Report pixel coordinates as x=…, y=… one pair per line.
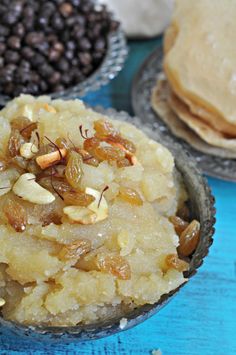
x=27, y=188
x=30, y=110
x=47, y=160
x=2, y=302
x=99, y=205
x=28, y=150
x=80, y=215
x=95, y=212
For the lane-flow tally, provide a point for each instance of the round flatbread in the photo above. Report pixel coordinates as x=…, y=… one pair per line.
x=160, y=105
x=206, y=132
x=201, y=63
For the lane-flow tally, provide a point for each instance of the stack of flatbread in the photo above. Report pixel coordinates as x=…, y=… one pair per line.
x=196, y=95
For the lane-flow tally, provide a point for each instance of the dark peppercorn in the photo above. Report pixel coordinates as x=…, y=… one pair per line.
x=63, y=65
x=45, y=70
x=18, y=30
x=17, y=6
x=14, y=42
x=37, y=60
x=54, y=55
x=66, y=9
x=27, y=52
x=2, y=48
x=10, y=18
x=34, y=38
x=100, y=45
x=43, y=86
x=69, y=55
x=1, y=62
x=57, y=22
x=4, y=31
x=71, y=45
x=84, y=44
x=85, y=58
x=32, y=88
x=19, y=89
x=24, y=64
x=11, y=56
x=54, y=78
x=58, y=88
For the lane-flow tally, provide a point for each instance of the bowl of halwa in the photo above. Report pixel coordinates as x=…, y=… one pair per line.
x=99, y=224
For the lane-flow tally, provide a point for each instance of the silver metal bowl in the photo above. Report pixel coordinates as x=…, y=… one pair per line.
x=202, y=208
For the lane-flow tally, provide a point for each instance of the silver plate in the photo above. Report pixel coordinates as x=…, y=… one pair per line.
x=143, y=83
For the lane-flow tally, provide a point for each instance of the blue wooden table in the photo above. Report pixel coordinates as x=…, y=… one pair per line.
x=201, y=320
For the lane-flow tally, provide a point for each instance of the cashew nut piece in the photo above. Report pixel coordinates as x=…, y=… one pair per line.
x=27, y=188
x=95, y=212
x=80, y=214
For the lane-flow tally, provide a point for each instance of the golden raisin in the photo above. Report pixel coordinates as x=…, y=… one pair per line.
x=179, y=224
x=20, y=122
x=189, y=239
x=122, y=142
x=88, y=263
x=52, y=217
x=123, y=163
x=16, y=215
x=87, y=157
x=115, y=265
x=73, y=170
x=75, y=250
x=103, y=129
x=14, y=143
x=58, y=184
x=109, y=153
x=173, y=262
x=28, y=130
x=77, y=198
x=130, y=195
x=90, y=144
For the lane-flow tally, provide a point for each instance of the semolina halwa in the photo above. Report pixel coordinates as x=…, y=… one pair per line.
x=87, y=214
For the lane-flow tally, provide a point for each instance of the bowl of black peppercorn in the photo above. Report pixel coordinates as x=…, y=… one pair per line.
x=61, y=48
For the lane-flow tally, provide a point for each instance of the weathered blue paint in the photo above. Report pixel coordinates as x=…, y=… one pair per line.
x=201, y=320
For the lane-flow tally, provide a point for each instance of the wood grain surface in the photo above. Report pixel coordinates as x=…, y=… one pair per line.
x=201, y=320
